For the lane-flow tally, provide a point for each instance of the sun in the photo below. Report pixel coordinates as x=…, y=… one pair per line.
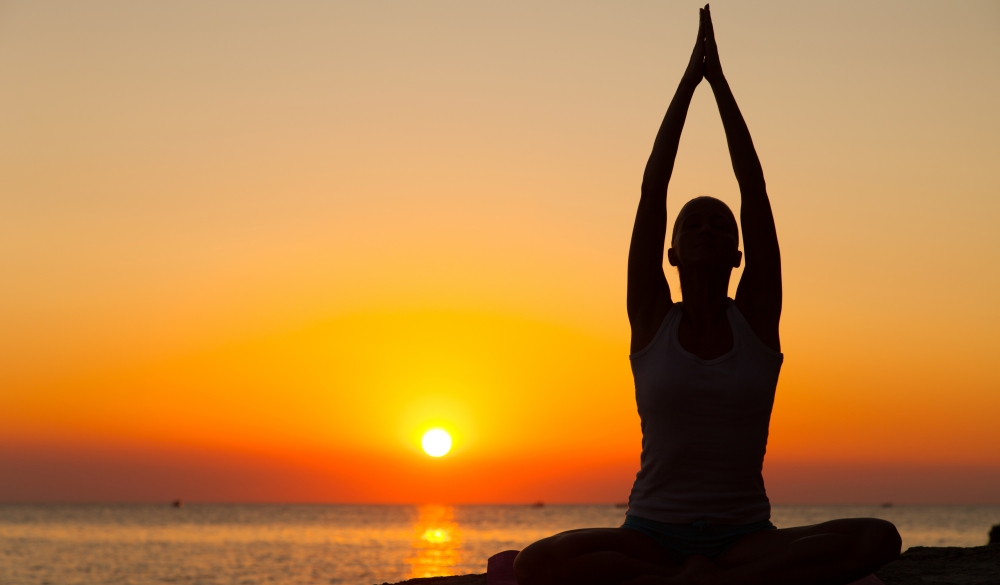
x=436, y=442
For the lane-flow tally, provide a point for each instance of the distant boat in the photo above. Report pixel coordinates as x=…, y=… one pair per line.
x=538, y=505
x=887, y=504
x=178, y=503
x=621, y=505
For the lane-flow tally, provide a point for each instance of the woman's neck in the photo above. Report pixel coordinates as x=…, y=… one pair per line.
x=705, y=295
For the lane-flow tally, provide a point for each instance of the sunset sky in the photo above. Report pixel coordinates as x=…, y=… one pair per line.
x=251, y=251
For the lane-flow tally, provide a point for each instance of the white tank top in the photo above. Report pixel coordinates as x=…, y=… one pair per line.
x=704, y=427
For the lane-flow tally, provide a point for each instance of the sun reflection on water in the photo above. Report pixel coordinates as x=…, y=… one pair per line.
x=436, y=543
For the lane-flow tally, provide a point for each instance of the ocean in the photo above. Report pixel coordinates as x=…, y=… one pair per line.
x=344, y=544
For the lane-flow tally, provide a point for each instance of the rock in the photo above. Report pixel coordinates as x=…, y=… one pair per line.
x=925, y=565
x=475, y=579
x=919, y=565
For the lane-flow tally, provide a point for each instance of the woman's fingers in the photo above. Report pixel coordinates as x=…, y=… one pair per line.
x=701, y=29
x=709, y=29
x=696, y=66
x=711, y=49
x=713, y=69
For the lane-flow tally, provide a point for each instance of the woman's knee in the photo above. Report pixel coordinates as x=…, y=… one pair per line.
x=882, y=539
x=531, y=564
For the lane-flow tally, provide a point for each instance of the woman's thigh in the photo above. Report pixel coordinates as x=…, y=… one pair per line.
x=756, y=546
x=575, y=543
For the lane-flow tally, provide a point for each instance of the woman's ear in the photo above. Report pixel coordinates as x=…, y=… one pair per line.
x=737, y=258
x=671, y=257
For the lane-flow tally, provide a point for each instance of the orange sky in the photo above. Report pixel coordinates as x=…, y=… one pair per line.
x=250, y=252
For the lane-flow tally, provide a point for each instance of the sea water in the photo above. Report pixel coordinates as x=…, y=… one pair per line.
x=345, y=544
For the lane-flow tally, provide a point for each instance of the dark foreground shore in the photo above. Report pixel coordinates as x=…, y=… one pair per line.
x=919, y=565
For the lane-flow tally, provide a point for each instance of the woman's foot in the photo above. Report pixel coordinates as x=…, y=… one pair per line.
x=695, y=571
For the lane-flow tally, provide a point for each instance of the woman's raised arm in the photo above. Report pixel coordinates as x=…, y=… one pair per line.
x=648, y=297
x=759, y=294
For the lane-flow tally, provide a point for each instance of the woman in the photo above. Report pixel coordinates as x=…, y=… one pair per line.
x=705, y=374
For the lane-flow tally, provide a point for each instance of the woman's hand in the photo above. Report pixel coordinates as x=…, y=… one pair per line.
x=713, y=67
x=696, y=66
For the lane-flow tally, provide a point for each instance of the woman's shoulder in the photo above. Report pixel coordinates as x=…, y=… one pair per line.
x=747, y=330
x=660, y=335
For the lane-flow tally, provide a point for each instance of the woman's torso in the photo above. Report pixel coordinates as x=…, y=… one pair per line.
x=704, y=427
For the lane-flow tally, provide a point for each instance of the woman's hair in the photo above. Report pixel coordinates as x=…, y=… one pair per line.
x=703, y=199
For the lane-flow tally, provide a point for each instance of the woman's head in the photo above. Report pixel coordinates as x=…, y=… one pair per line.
x=705, y=234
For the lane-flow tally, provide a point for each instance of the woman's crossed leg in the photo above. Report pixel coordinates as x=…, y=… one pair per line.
x=832, y=553
x=593, y=556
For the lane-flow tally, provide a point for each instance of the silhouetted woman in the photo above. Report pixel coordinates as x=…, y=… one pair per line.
x=705, y=374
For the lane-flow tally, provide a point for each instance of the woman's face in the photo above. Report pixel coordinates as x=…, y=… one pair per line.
x=706, y=235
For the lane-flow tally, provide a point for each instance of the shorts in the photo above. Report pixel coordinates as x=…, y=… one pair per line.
x=698, y=538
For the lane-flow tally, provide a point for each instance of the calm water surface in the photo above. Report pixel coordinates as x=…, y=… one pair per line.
x=346, y=545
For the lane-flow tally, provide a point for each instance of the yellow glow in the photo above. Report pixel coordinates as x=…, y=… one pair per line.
x=436, y=535
x=436, y=442
x=437, y=546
